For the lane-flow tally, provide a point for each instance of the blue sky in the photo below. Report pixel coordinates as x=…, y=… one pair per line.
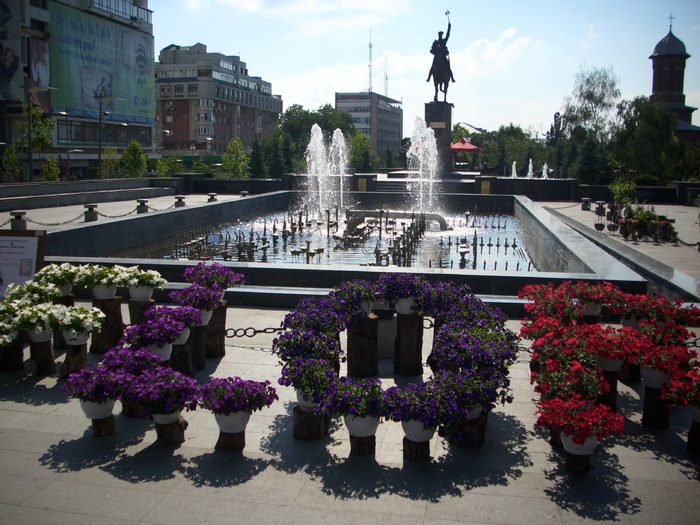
x=513, y=60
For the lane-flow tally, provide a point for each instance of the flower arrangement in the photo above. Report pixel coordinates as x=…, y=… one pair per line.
x=460, y=393
x=570, y=379
x=415, y=401
x=444, y=299
x=8, y=328
x=197, y=296
x=154, y=332
x=683, y=387
x=394, y=286
x=160, y=391
x=579, y=418
x=314, y=377
x=182, y=314
x=56, y=274
x=95, y=383
x=37, y=317
x=130, y=362
x=233, y=394
x=667, y=358
x=91, y=275
x=355, y=397
x=77, y=319
x=568, y=299
x=307, y=344
x=583, y=292
x=348, y=297
x=134, y=276
x=213, y=275
x=317, y=314
x=32, y=292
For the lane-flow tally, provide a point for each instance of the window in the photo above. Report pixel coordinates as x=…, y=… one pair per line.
x=179, y=90
x=192, y=89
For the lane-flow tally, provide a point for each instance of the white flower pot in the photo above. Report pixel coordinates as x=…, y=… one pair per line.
x=475, y=412
x=40, y=336
x=140, y=293
x=361, y=426
x=166, y=419
x=184, y=336
x=591, y=309
x=653, y=377
x=65, y=289
x=415, y=431
x=586, y=449
x=405, y=305
x=73, y=337
x=609, y=365
x=304, y=401
x=206, y=317
x=232, y=423
x=103, y=291
x=94, y=410
x=163, y=351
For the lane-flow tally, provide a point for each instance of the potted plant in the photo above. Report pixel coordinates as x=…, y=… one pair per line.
x=102, y=279
x=32, y=293
x=406, y=291
x=353, y=298
x=141, y=283
x=416, y=407
x=60, y=275
x=8, y=327
x=312, y=379
x=316, y=314
x=77, y=322
x=156, y=335
x=97, y=388
x=161, y=392
x=200, y=297
x=683, y=389
x=360, y=402
x=38, y=319
x=307, y=344
x=213, y=275
x=233, y=399
x=186, y=315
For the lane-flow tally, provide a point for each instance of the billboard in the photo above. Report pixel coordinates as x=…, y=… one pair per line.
x=10, y=41
x=93, y=59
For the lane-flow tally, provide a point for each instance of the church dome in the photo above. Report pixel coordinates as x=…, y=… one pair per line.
x=670, y=45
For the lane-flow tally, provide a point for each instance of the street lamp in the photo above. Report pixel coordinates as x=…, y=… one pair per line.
x=28, y=102
x=210, y=140
x=102, y=99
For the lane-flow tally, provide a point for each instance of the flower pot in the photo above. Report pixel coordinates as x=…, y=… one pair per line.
x=65, y=289
x=103, y=291
x=361, y=426
x=475, y=412
x=366, y=307
x=40, y=336
x=73, y=337
x=184, y=336
x=206, y=317
x=140, y=293
x=163, y=351
x=94, y=410
x=405, y=305
x=232, y=423
x=585, y=449
x=166, y=419
x=304, y=401
x=653, y=377
x=609, y=365
x=591, y=309
x=415, y=431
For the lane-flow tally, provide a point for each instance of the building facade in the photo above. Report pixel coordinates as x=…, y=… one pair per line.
x=377, y=116
x=89, y=66
x=203, y=100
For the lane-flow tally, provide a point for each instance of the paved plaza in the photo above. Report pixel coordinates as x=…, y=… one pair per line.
x=53, y=471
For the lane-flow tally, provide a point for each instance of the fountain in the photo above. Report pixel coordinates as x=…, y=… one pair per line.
x=514, y=171
x=530, y=170
x=423, y=164
x=545, y=171
x=326, y=168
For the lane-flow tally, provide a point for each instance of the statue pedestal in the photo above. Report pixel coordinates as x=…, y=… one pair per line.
x=438, y=116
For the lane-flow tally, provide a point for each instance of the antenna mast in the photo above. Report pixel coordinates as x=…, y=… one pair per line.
x=386, y=79
x=370, y=60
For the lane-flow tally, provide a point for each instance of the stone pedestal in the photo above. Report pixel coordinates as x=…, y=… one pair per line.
x=408, y=348
x=363, y=355
x=112, y=329
x=309, y=426
x=438, y=117
x=216, y=334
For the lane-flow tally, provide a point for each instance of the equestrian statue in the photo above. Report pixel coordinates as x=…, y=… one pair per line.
x=441, y=72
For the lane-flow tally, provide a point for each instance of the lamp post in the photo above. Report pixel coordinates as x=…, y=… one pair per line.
x=28, y=102
x=102, y=99
x=210, y=140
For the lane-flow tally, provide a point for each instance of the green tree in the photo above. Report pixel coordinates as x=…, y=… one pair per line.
x=257, y=163
x=134, y=160
x=51, y=170
x=235, y=161
x=110, y=162
x=362, y=156
x=42, y=127
x=167, y=166
x=11, y=166
x=592, y=102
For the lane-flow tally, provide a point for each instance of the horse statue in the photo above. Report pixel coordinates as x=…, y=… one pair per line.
x=441, y=72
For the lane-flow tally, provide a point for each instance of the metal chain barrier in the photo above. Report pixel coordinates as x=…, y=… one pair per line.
x=6, y=222
x=250, y=331
x=567, y=207
x=163, y=209
x=115, y=216
x=54, y=223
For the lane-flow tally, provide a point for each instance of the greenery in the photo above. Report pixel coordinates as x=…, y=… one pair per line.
x=134, y=160
x=42, y=127
x=363, y=158
x=11, y=166
x=235, y=161
x=110, y=162
x=52, y=170
x=167, y=166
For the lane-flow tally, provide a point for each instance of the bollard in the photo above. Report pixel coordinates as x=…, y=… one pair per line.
x=19, y=221
x=90, y=213
x=142, y=207
x=180, y=201
x=244, y=193
x=212, y=197
x=586, y=204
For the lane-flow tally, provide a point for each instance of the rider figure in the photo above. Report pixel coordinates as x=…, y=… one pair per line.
x=441, y=55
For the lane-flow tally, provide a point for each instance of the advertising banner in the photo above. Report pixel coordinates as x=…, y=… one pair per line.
x=93, y=59
x=39, y=73
x=10, y=41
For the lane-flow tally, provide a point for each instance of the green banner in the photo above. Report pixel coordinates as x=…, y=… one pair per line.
x=93, y=59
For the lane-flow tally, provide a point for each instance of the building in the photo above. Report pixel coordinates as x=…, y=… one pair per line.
x=377, y=116
x=668, y=63
x=204, y=100
x=89, y=66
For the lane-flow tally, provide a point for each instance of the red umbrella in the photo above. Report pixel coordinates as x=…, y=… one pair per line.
x=463, y=145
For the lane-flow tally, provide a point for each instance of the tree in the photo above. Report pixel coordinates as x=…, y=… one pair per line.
x=235, y=161
x=167, y=166
x=362, y=157
x=42, y=127
x=51, y=170
x=110, y=162
x=134, y=160
x=592, y=101
x=11, y=167
x=257, y=164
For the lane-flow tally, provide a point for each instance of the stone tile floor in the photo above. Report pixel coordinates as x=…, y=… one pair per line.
x=52, y=470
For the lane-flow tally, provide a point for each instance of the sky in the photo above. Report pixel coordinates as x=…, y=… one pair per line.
x=514, y=61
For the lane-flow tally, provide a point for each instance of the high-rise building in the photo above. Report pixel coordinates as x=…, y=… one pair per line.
x=377, y=116
x=88, y=65
x=206, y=99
